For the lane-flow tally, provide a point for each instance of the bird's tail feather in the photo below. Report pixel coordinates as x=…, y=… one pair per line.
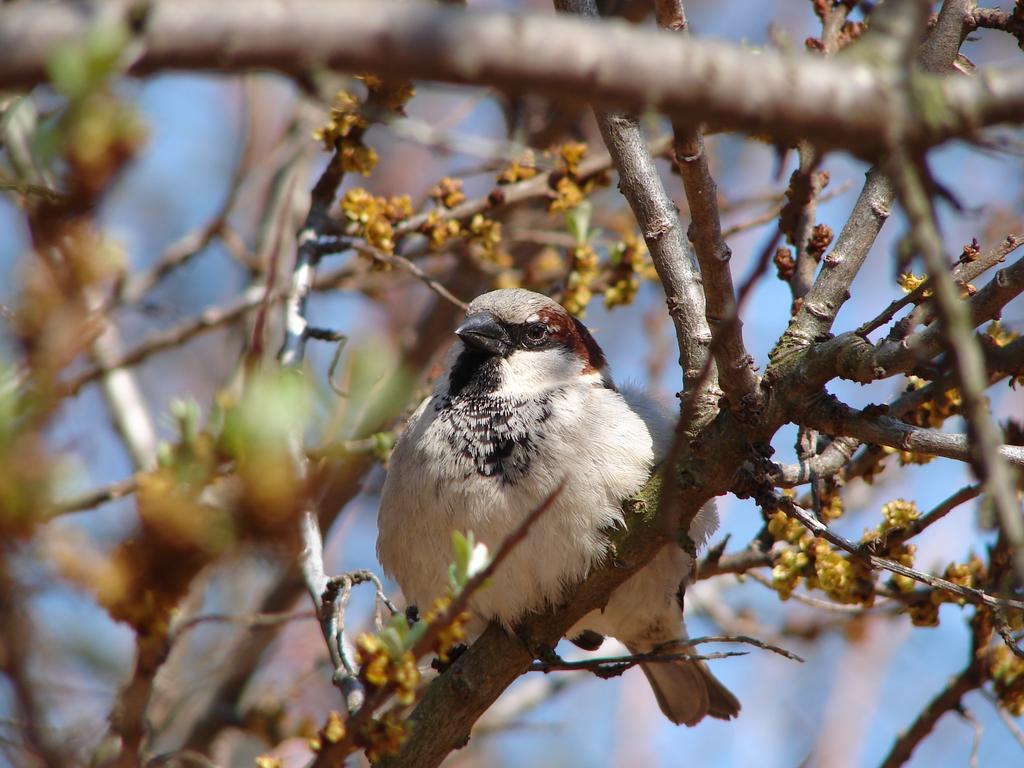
x=686, y=690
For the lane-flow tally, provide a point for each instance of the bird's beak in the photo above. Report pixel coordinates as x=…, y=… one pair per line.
x=483, y=332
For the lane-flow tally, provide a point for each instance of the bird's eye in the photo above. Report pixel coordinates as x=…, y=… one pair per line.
x=536, y=333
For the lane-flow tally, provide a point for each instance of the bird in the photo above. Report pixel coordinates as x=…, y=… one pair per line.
x=526, y=405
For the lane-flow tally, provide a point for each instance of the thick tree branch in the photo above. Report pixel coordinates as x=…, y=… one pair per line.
x=1000, y=362
x=845, y=104
x=824, y=464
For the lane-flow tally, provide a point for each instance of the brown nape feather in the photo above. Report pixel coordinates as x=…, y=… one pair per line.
x=575, y=337
x=587, y=348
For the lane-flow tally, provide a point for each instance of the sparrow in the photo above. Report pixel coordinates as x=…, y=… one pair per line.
x=525, y=404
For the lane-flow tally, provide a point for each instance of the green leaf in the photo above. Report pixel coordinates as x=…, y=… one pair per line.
x=68, y=71
x=383, y=443
x=462, y=549
x=276, y=406
x=414, y=634
x=577, y=221
x=79, y=68
x=392, y=642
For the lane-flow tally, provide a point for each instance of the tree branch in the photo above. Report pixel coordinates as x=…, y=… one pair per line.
x=957, y=326
x=659, y=223
x=963, y=273
x=818, y=528
x=836, y=418
x=841, y=104
x=947, y=700
x=739, y=381
x=840, y=266
x=852, y=357
x=613, y=667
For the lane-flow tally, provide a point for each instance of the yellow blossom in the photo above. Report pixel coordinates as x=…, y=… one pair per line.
x=334, y=729
x=924, y=614
x=898, y=514
x=373, y=659
x=384, y=737
x=568, y=195
x=784, y=528
x=357, y=158
x=439, y=230
x=570, y=154
x=910, y=282
x=448, y=192
x=359, y=205
x=999, y=335
x=486, y=234
x=787, y=571
x=397, y=207
x=518, y=170
x=451, y=635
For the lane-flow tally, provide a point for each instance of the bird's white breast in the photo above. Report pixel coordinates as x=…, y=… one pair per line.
x=585, y=435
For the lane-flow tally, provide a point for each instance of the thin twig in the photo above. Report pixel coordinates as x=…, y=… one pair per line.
x=898, y=536
x=815, y=526
x=1008, y=719
x=397, y=260
x=737, y=563
x=254, y=620
x=963, y=273
x=613, y=666
x=311, y=562
x=95, y=498
x=123, y=395
x=512, y=194
x=972, y=760
x=745, y=640
x=1002, y=627
x=946, y=701
x=208, y=320
x=773, y=213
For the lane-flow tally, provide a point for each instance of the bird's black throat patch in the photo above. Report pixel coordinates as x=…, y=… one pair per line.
x=475, y=370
